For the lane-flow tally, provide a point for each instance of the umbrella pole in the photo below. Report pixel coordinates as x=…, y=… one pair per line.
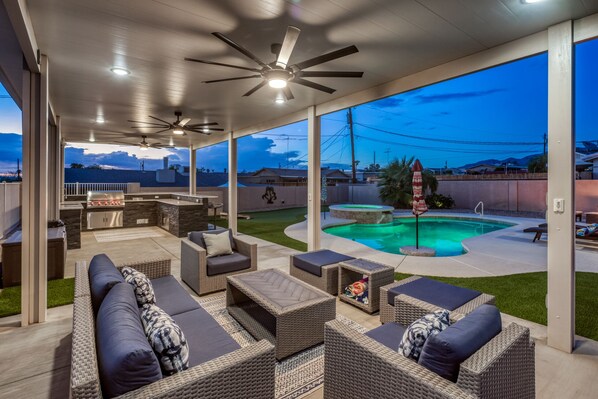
x=416, y=231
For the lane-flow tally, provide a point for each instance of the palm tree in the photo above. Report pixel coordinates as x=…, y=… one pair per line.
x=396, y=183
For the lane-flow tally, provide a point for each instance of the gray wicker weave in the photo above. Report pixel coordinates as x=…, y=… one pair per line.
x=504, y=368
x=378, y=276
x=247, y=372
x=408, y=309
x=280, y=308
x=194, y=267
x=327, y=282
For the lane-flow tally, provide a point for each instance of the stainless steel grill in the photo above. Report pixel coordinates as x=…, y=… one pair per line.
x=105, y=199
x=105, y=209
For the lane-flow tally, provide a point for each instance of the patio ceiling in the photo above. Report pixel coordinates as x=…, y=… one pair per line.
x=85, y=38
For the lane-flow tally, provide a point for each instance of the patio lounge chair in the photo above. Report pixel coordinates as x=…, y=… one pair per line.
x=415, y=296
x=205, y=275
x=543, y=229
x=473, y=358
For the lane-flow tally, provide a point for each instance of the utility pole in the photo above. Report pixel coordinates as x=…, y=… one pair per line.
x=350, y=123
x=374, y=158
x=545, y=143
x=387, y=152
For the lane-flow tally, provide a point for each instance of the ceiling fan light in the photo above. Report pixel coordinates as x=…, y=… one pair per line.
x=206, y=130
x=277, y=83
x=178, y=130
x=120, y=71
x=279, y=100
x=143, y=148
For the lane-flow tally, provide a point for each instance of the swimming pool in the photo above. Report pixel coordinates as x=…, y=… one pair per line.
x=444, y=234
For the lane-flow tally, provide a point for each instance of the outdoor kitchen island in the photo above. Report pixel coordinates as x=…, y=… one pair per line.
x=176, y=213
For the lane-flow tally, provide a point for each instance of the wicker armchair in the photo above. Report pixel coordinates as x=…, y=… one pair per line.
x=504, y=368
x=247, y=372
x=194, y=265
x=407, y=308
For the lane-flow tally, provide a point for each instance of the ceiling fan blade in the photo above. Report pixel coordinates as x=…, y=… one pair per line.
x=330, y=74
x=290, y=39
x=184, y=122
x=122, y=143
x=256, y=88
x=159, y=146
x=161, y=120
x=226, y=80
x=151, y=127
x=148, y=123
x=203, y=124
x=162, y=131
x=327, y=57
x=313, y=85
x=288, y=93
x=221, y=64
x=240, y=49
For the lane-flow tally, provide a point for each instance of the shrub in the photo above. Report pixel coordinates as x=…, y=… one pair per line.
x=439, y=201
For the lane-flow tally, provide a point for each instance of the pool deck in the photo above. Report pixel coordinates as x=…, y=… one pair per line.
x=502, y=252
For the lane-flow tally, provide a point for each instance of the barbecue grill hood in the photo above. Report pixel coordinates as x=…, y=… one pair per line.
x=105, y=199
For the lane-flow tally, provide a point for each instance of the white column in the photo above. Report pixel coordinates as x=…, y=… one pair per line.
x=35, y=198
x=192, y=171
x=313, y=180
x=561, y=188
x=232, y=183
x=53, y=176
x=60, y=165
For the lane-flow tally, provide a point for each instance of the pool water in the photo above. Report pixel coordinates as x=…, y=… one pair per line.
x=442, y=234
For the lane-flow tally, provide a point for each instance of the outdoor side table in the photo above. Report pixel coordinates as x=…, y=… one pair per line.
x=378, y=275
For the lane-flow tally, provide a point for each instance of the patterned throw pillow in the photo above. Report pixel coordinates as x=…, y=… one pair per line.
x=166, y=338
x=416, y=334
x=144, y=292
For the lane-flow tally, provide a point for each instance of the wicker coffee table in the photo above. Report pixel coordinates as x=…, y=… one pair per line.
x=378, y=275
x=272, y=305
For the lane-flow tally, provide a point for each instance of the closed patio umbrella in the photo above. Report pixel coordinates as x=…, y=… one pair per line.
x=419, y=203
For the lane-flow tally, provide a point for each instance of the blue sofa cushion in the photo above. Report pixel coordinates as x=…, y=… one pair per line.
x=197, y=237
x=103, y=275
x=421, y=330
x=125, y=358
x=166, y=338
x=206, y=338
x=443, y=353
x=172, y=297
x=312, y=262
x=227, y=263
x=443, y=295
x=388, y=334
x=142, y=286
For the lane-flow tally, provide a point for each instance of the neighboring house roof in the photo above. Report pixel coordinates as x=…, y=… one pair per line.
x=300, y=173
x=144, y=178
x=591, y=157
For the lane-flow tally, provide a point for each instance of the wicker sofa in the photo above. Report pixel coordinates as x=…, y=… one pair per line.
x=245, y=372
x=406, y=307
x=205, y=275
x=503, y=368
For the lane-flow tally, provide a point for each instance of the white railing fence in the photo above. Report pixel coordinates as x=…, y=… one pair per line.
x=83, y=188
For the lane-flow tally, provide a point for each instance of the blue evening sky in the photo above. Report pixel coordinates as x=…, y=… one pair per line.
x=492, y=114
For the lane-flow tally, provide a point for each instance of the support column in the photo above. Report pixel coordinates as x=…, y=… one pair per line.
x=35, y=198
x=60, y=165
x=192, y=171
x=53, y=150
x=232, y=183
x=314, y=183
x=561, y=188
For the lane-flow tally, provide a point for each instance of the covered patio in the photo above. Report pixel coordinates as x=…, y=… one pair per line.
x=59, y=61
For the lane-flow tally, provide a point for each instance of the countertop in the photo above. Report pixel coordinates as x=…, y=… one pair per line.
x=167, y=201
x=71, y=205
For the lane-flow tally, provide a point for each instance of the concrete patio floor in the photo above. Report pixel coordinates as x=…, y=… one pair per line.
x=35, y=360
x=502, y=252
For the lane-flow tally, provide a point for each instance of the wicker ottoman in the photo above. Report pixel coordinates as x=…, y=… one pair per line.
x=378, y=275
x=318, y=268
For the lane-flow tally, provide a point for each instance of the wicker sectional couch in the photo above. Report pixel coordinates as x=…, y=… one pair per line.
x=242, y=372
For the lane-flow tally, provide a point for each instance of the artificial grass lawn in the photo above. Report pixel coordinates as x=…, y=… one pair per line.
x=60, y=292
x=523, y=296
x=270, y=225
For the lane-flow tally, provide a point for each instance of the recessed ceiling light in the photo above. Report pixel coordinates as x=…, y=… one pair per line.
x=92, y=140
x=530, y=1
x=120, y=71
x=143, y=148
x=100, y=119
x=178, y=130
x=279, y=100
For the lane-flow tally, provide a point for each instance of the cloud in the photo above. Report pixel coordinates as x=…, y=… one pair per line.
x=112, y=160
x=258, y=152
x=388, y=102
x=433, y=98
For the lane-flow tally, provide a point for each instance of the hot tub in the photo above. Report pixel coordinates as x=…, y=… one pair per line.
x=363, y=214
